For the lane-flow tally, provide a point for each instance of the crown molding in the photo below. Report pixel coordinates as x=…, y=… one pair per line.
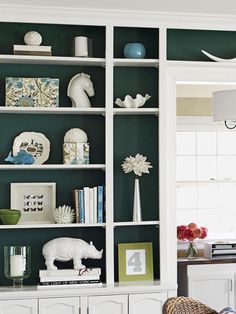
x=71, y=15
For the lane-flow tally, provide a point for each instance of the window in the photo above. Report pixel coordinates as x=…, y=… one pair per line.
x=206, y=180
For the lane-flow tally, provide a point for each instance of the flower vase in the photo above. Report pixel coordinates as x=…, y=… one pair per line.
x=137, y=214
x=191, y=251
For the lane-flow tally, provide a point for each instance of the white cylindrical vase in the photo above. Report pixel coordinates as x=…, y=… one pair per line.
x=81, y=46
x=137, y=212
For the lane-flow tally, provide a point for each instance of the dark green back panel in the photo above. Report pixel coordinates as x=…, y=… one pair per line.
x=66, y=181
x=139, y=234
x=133, y=81
x=36, y=238
x=185, y=44
x=54, y=128
x=132, y=135
x=60, y=37
x=63, y=73
x=147, y=36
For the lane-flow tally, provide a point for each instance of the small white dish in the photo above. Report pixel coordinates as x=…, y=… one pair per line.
x=35, y=144
x=130, y=102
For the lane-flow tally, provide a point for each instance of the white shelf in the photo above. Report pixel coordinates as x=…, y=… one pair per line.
x=54, y=110
x=52, y=60
x=136, y=111
x=134, y=223
x=53, y=167
x=122, y=62
x=34, y=226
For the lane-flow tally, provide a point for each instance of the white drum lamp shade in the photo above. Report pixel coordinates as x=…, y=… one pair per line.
x=224, y=105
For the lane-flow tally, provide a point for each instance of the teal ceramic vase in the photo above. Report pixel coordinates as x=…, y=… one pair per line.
x=134, y=51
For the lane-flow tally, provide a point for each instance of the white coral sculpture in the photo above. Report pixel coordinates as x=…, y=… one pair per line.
x=137, y=164
x=64, y=215
x=75, y=135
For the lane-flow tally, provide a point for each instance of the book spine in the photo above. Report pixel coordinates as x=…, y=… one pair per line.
x=33, y=53
x=68, y=282
x=86, y=205
x=70, y=278
x=81, y=206
x=70, y=272
x=100, y=203
x=91, y=218
x=74, y=286
x=95, y=204
x=76, y=205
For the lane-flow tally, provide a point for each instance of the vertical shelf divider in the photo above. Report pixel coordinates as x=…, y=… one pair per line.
x=109, y=156
x=166, y=171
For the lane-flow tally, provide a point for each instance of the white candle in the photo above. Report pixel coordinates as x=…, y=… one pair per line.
x=81, y=46
x=16, y=265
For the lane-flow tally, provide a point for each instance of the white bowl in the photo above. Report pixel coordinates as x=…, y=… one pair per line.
x=130, y=102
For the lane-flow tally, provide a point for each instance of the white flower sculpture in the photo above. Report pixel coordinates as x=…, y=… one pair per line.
x=137, y=164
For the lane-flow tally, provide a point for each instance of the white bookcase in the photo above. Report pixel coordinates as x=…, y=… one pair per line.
x=158, y=226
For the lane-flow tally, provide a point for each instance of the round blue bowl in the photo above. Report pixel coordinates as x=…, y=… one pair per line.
x=134, y=51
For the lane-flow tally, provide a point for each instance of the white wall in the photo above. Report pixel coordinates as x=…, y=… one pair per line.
x=183, y=6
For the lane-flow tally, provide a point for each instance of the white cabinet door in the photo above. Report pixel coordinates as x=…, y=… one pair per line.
x=59, y=306
x=19, y=307
x=113, y=304
x=150, y=303
x=212, y=285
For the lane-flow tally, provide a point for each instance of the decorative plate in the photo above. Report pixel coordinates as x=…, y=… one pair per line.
x=34, y=143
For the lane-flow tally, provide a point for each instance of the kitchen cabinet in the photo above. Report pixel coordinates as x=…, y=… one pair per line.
x=115, y=304
x=59, y=305
x=150, y=303
x=22, y=306
x=213, y=285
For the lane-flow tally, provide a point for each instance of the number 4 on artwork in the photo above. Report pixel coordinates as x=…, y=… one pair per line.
x=135, y=261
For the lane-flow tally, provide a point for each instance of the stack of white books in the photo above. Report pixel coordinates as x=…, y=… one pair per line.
x=70, y=278
x=32, y=50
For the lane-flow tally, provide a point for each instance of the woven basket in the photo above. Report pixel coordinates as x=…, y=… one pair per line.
x=186, y=305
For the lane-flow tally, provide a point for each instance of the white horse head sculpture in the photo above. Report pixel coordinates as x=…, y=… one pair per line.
x=79, y=87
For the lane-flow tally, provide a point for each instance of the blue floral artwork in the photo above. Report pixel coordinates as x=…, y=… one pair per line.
x=32, y=92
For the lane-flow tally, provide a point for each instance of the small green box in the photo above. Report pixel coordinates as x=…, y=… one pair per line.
x=32, y=92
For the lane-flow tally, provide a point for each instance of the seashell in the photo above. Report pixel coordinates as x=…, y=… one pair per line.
x=64, y=215
x=32, y=38
x=75, y=135
x=130, y=102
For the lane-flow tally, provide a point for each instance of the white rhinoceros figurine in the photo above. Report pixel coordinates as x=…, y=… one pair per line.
x=66, y=249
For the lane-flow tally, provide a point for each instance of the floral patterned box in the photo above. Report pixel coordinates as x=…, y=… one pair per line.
x=32, y=92
x=76, y=153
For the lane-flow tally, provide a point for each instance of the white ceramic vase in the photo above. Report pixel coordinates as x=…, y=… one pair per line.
x=137, y=212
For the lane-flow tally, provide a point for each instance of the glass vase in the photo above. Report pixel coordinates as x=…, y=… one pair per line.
x=17, y=263
x=191, y=251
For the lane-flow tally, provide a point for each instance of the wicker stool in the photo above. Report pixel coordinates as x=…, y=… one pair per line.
x=185, y=305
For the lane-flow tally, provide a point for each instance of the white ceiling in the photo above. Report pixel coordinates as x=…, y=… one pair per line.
x=226, y=7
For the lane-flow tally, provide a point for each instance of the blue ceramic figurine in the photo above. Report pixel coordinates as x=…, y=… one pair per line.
x=21, y=158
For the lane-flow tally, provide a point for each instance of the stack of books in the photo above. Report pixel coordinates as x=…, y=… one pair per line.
x=32, y=50
x=70, y=278
x=89, y=204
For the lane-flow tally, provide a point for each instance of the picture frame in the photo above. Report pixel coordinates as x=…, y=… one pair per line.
x=36, y=201
x=135, y=261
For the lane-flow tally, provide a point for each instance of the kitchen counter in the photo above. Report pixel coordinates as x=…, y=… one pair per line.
x=203, y=260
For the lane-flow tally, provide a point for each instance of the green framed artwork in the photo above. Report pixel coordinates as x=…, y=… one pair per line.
x=135, y=261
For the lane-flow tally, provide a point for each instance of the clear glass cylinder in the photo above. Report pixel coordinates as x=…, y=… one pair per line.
x=17, y=263
x=191, y=251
